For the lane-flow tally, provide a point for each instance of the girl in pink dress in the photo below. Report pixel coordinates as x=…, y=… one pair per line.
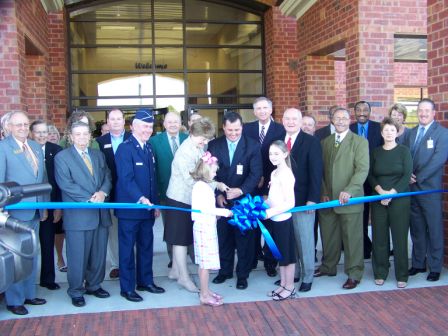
x=205, y=236
x=281, y=199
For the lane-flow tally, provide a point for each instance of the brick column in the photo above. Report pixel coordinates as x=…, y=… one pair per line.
x=317, y=86
x=438, y=80
x=281, y=61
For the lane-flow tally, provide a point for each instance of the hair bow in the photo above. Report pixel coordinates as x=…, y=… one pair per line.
x=208, y=158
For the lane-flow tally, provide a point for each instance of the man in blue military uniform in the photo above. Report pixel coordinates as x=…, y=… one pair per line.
x=136, y=184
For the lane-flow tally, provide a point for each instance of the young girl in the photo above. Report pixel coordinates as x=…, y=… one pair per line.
x=205, y=236
x=281, y=199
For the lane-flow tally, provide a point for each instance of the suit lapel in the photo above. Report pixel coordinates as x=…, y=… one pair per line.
x=19, y=151
x=167, y=146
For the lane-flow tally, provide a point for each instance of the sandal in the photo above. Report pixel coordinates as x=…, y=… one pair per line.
x=292, y=295
x=62, y=269
x=274, y=293
x=211, y=302
x=379, y=282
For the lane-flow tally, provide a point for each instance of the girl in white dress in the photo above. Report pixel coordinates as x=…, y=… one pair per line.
x=205, y=236
x=281, y=199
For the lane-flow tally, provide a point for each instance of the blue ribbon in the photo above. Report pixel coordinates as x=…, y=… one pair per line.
x=247, y=213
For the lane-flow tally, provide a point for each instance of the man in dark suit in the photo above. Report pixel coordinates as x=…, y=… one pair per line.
x=136, y=184
x=109, y=143
x=83, y=176
x=306, y=162
x=164, y=146
x=39, y=133
x=265, y=131
x=370, y=130
x=22, y=161
x=240, y=168
x=346, y=166
x=325, y=131
x=428, y=142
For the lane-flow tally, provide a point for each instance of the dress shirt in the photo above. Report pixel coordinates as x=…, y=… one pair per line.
x=116, y=141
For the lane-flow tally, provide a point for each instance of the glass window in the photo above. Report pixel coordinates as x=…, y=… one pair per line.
x=203, y=10
x=411, y=48
x=110, y=33
x=223, y=83
x=167, y=9
x=120, y=10
x=108, y=103
x=224, y=59
x=103, y=58
x=175, y=104
x=223, y=34
x=169, y=59
x=168, y=33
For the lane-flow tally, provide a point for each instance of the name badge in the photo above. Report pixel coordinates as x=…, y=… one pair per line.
x=430, y=144
x=139, y=163
x=239, y=169
x=108, y=146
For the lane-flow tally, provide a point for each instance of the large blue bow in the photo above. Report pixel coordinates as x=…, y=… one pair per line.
x=247, y=213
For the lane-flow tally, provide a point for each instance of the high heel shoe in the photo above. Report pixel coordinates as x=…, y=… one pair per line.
x=292, y=295
x=188, y=285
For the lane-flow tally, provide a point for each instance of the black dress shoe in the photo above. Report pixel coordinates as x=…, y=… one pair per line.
x=305, y=287
x=220, y=278
x=35, y=301
x=414, y=271
x=241, y=284
x=52, y=286
x=17, y=310
x=151, y=288
x=131, y=296
x=271, y=272
x=99, y=293
x=78, y=301
x=433, y=276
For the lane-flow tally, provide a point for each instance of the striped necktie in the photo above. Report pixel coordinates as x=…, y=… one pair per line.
x=87, y=162
x=174, y=146
x=262, y=134
x=30, y=158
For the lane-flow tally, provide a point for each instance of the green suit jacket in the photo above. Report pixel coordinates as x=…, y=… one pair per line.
x=164, y=157
x=348, y=171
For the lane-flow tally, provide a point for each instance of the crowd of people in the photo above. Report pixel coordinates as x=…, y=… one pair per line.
x=288, y=164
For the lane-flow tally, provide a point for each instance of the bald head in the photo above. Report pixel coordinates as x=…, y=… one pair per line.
x=172, y=123
x=292, y=120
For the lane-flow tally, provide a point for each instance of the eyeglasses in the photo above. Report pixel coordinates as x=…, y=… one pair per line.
x=40, y=132
x=21, y=125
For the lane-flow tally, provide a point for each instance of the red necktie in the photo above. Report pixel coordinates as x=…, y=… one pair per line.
x=288, y=144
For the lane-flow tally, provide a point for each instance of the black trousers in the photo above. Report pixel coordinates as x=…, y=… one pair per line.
x=365, y=222
x=229, y=239
x=46, y=237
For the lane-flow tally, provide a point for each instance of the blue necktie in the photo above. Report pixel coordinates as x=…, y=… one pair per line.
x=418, y=139
x=363, y=131
x=231, y=151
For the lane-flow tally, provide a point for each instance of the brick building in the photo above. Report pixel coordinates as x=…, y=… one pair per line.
x=306, y=53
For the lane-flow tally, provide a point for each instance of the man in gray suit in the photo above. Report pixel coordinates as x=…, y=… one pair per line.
x=428, y=142
x=83, y=176
x=22, y=161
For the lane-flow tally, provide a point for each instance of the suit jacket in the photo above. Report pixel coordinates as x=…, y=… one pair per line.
x=429, y=162
x=247, y=154
x=51, y=150
x=136, y=178
x=14, y=167
x=105, y=144
x=307, y=166
x=78, y=185
x=348, y=171
x=373, y=136
x=163, y=155
x=275, y=131
x=323, y=132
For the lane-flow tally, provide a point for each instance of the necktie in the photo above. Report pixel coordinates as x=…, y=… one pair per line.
x=231, y=151
x=30, y=158
x=363, y=131
x=262, y=134
x=418, y=139
x=174, y=146
x=289, y=144
x=338, y=140
x=87, y=162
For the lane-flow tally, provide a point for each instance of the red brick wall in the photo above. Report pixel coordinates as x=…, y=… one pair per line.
x=340, y=83
x=438, y=79
x=58, y=85
x=410, y=74
x=36, y=87
x=282, y=85
x=9, y=59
